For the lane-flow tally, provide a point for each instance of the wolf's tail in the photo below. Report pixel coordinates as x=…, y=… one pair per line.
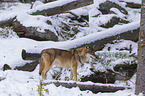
x=41, y=66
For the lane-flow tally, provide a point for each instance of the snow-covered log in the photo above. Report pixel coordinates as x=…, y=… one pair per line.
x=97, y=45
x=57, y=9
x=28, y=66
x=30, y=56
x=31, y=32
x=94, y=87
x=129, y=35
x=8, y=22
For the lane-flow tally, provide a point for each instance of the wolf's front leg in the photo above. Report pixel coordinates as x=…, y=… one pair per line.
x=74, y=69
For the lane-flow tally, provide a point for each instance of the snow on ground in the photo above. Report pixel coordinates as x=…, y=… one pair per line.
x=20, y=83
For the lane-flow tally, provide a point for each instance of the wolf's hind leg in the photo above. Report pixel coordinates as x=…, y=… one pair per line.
x=71, y=75
x=47, y=64
x=41, y=66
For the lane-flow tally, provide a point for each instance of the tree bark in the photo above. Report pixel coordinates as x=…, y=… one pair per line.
x=94, y=87
x=140, y=79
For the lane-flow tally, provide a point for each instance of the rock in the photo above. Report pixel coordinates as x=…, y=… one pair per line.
x=6, y=67
x=2, y=78
x=106, y=6
x=114, y=21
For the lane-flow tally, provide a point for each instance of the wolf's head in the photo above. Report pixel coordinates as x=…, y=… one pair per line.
x=87, y=49
x=90, y=50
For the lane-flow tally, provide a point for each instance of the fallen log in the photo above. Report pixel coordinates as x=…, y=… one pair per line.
x=52, y=11
x=61, y=9
x=129, y=35
x=31, y=32
x=8, y=22
x=30, y=56
x=97, y=45
x=28, y=66
x=94, y=87
x=133, y=5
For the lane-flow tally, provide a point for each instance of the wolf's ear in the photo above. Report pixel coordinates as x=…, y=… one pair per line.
x=87, y=46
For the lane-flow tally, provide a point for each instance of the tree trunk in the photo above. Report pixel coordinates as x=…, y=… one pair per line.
x=140, y=79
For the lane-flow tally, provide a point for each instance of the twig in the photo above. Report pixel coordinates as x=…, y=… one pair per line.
x=105, y=78
x=118, y=73
x=79, y=17
x=32, y=5
x=58, y=74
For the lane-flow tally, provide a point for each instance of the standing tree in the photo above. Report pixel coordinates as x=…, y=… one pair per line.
x=140, y=79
